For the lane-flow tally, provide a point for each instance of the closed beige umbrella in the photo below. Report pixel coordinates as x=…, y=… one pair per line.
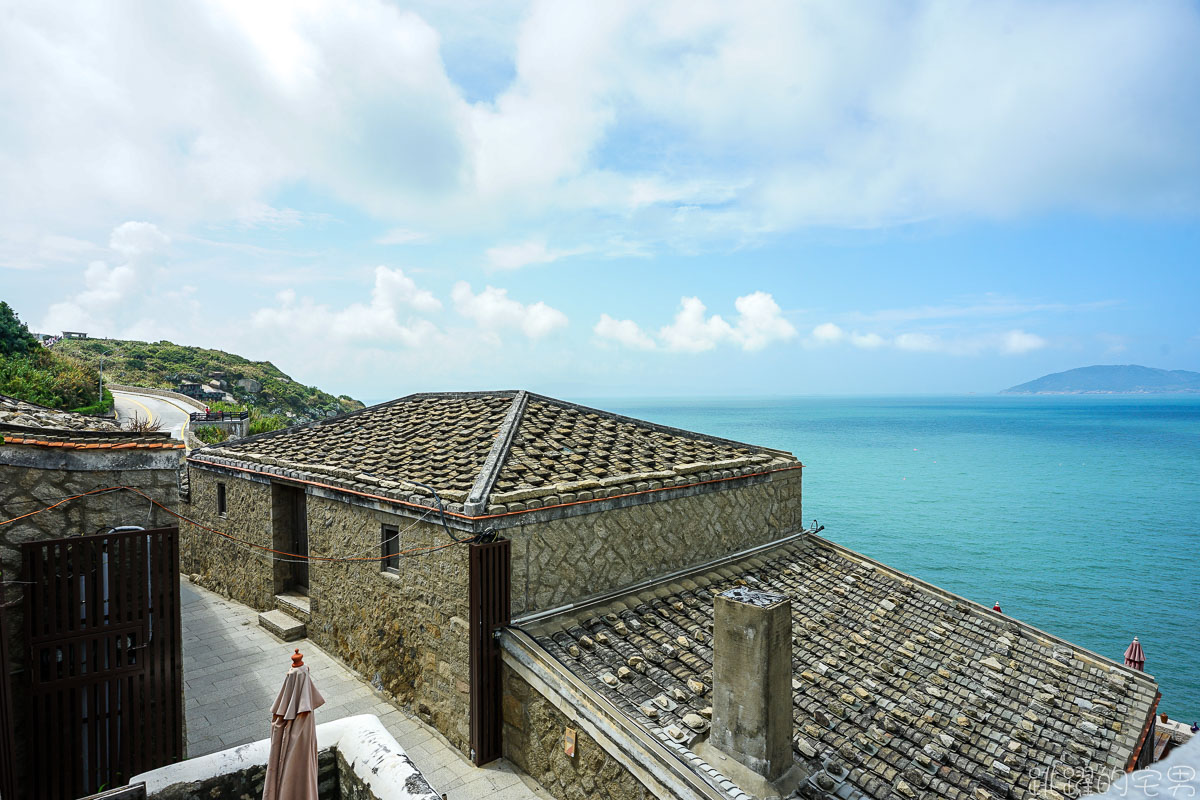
x=292, y=766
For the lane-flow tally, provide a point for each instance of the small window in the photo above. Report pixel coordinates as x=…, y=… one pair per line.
x=390, y=549
x=221, y=499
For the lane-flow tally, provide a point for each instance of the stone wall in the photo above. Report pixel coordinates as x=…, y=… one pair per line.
x=564, y=560
x=533, y=740
x=406, y=633
x=32, y=478
x=224, y=566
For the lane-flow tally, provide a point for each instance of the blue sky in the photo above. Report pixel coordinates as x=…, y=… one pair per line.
x=612, y=199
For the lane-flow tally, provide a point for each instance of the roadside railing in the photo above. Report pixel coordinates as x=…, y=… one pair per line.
x=219, y=416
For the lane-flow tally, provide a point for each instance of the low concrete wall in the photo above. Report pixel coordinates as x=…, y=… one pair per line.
x=183, y=398
x=357, y=760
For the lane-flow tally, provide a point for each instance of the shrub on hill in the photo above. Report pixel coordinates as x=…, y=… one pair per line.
x=35, y=374
x=164, y=365
x=15, y=338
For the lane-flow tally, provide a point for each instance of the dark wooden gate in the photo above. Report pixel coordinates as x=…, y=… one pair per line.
x=490, y=611
x=8, y=760
x=104, y=669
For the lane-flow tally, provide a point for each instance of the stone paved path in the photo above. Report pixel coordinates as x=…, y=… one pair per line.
x=232, y=670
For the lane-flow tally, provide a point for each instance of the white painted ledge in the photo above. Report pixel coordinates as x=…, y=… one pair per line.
x=377, y=760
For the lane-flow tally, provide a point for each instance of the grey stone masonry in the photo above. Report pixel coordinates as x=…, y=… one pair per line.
x=752, y=679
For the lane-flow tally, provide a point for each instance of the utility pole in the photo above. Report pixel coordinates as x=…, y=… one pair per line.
x=101, y=379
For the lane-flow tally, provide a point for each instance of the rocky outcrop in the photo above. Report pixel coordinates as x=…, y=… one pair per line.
x=31, y=415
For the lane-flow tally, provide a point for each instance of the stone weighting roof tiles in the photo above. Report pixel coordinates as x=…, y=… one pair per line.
x=491, y=452
x=901, y=690
x=23, y=423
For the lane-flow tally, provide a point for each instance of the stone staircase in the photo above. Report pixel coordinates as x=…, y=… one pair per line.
x=289, y=619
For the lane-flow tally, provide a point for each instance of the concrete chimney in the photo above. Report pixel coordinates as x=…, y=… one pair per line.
x=752, y=680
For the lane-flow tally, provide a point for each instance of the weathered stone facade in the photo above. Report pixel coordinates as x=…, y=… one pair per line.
x=406, y=633
x=533, y=740
x=564, y=560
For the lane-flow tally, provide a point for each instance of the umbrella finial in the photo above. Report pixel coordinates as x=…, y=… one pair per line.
x=297, y=659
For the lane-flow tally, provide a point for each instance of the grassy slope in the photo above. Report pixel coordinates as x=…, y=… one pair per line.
x=163, y=364
x=52, y=379
x=32, y=373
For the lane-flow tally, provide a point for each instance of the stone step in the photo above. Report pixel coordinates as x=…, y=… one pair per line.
x=295, y=604
x=281, y=625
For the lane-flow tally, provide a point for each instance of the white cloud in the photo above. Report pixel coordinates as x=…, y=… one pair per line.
x=682, y=120
x=111, y=295
x=493, y=310
x=920, y=342
x=759, y=323
x=401, y=236
x=623, y=331
x=691, y=331
x=534, y=251
x=1013, y=342
x=827, y=333
x=393, y=289
x=379, y=322
x=867, y=341
x=1018, y=342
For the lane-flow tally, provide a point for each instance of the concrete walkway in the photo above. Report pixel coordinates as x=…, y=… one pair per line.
x=232, y=671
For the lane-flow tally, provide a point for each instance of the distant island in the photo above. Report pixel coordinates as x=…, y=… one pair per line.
x=1115, y=379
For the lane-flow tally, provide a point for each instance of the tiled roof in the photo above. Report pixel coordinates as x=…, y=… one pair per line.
x=439, y=440
x=559, y=443
x=87, y=440
x=23, y=423
x=900, y=690
x=490, y=452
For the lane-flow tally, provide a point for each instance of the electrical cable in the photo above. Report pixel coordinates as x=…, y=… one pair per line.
x=441, y=509
x=300, y=557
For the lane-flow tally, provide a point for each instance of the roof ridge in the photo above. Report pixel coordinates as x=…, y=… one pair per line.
x=258, y=437
x=657, y=426
x=497, y=456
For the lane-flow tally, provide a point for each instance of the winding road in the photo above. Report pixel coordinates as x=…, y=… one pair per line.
x=171, y=415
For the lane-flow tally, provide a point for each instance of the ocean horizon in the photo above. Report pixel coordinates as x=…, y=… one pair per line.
x=1078, y=514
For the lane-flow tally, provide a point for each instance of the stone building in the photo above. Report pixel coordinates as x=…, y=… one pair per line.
x=891, y=688
x=636, y=550
x=591, y=501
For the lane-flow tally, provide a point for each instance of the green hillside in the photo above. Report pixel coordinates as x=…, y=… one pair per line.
x=34, y=374
x=162, y=365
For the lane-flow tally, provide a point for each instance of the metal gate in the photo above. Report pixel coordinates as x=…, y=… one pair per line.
x=490, y=610
x=103, y=665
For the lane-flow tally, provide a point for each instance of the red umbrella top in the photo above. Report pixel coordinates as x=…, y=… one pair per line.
x=1134, y=657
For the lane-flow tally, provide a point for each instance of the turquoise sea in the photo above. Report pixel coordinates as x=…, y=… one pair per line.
x=1079, y=514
